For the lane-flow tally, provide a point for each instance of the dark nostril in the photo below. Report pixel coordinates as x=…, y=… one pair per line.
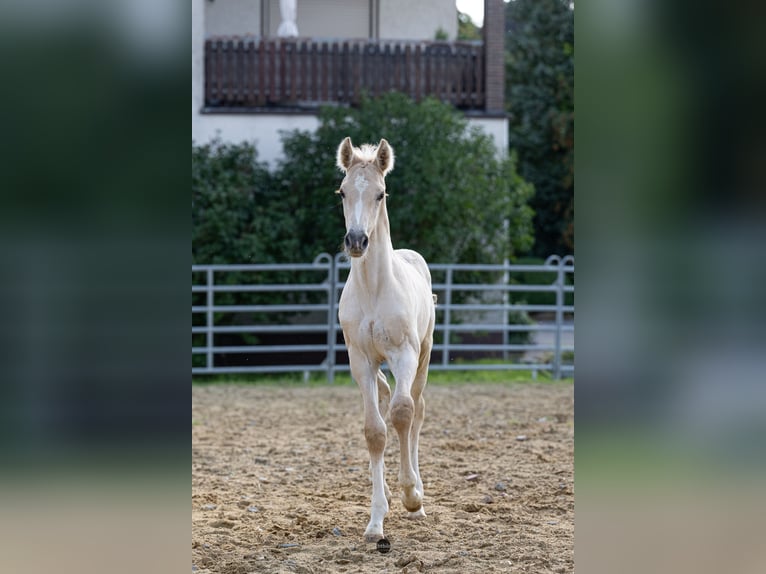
x=356, y=240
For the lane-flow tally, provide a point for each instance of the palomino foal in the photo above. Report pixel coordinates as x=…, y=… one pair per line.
x=387, y=314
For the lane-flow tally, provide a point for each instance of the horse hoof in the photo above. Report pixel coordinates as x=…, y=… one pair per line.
x=373, y=536
x=417, y=515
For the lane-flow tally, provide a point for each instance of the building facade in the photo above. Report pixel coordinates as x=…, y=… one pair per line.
x=263, y=66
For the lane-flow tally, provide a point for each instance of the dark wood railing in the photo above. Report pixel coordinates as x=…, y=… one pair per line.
x=304, y=73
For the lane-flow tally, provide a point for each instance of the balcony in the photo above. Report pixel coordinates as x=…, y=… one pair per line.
x=251, y=75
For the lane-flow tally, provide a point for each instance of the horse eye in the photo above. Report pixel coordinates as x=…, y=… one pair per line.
x=380, y=197
x=342, y=195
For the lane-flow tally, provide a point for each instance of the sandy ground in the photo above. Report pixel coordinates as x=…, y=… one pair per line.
x=280, y=481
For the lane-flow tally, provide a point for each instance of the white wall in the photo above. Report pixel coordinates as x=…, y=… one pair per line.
x=497, y=129
x=233, y=17
x=259, y=129
x=263, y=130
x=409, y=19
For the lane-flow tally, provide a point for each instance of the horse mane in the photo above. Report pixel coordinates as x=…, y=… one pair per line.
x=366, y=152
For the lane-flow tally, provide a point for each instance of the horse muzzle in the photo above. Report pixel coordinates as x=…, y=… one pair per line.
x=356, y=243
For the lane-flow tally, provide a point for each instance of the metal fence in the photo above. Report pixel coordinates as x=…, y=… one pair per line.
x=276, y=318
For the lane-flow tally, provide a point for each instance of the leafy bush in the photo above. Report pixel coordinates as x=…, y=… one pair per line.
x=449, y=193
x=466, y=28
x=236, y=215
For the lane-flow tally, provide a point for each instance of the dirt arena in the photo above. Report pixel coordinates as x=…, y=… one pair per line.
x=280, y=481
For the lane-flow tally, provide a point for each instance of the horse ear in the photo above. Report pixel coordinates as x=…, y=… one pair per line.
x=385, y=157
x=345, y=155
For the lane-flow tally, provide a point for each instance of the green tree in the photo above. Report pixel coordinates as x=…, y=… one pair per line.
x=466, y=29
x=449, y=193
x=540, y=101
x=236, y=214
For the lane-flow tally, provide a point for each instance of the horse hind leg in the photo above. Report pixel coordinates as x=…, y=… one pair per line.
x=384, y=393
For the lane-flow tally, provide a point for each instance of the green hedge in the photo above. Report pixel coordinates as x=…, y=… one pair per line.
x=449, y=193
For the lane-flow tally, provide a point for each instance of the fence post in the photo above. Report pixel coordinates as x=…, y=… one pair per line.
x=209, y=320
x=506, y=295
x=559, y=318
x=447, y=314
x=332, y=273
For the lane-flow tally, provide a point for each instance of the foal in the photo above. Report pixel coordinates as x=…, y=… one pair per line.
x=387, y=314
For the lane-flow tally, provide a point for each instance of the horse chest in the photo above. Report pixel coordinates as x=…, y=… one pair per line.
x=377, y=334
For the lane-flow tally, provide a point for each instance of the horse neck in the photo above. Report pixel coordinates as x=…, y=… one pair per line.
x=373, y=270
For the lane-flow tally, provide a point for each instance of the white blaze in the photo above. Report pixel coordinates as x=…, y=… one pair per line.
x=361, y=185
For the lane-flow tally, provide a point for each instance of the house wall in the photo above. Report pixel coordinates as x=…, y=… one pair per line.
x=497, y=129
x=233, y=17
x=263, y=130
x=407, y=19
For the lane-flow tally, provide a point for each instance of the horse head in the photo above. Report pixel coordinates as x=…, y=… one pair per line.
x=363, y=190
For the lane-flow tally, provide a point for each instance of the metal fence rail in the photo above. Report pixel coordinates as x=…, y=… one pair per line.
x=278, y=318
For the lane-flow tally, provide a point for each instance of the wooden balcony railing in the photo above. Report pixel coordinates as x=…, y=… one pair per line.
x=242, y=74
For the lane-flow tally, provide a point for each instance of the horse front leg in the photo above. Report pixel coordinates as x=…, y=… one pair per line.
x=375, y=436
x=403, y=413
x=417, y=423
